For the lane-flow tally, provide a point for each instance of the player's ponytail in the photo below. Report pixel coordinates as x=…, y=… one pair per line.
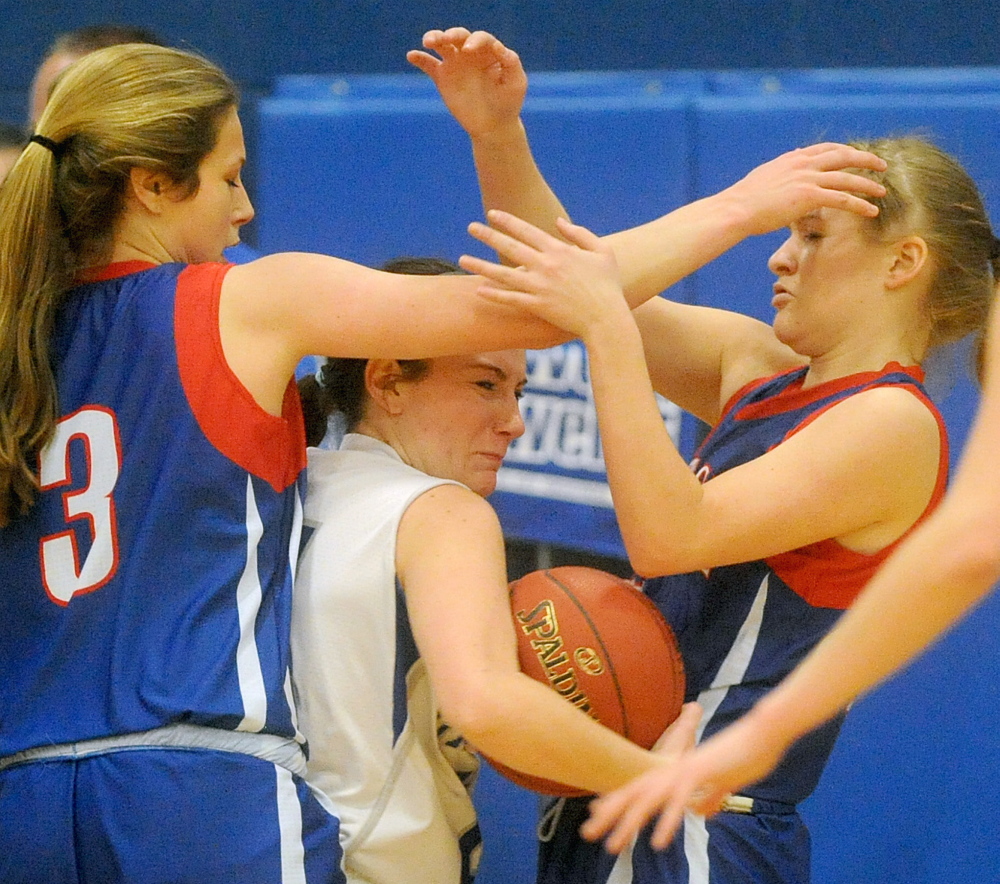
x=113, y=110
x=34, y=271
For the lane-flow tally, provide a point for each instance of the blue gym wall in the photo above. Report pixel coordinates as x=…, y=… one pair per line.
x=905, y=798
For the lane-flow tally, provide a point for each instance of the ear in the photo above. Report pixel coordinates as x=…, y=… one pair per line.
x=149, y=188
x=909, y=258
x=382, y=377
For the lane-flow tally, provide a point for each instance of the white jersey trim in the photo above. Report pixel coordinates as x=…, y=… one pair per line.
x=248, y=600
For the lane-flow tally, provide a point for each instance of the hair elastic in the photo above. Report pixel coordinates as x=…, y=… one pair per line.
x=54, y=146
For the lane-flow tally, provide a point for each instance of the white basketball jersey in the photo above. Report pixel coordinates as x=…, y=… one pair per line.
x=365, y=702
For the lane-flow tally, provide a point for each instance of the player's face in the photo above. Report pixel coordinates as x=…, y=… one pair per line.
x=828, y=269
x=459, y=417
x=210, y=220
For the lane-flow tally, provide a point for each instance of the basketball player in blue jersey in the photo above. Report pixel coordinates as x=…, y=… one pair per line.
x=941, y=571
x=151, y=451
x=824, y=450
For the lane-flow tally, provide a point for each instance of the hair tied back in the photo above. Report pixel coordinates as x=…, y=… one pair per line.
x=55, y=147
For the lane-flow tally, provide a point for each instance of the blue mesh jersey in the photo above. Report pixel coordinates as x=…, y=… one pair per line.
x=741, y=629
x=150, y=584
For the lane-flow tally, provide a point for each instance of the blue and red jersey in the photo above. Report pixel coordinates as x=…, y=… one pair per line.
x=743, y=627
x=151, y=582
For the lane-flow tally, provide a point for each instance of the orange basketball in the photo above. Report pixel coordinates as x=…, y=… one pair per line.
x=599, y=642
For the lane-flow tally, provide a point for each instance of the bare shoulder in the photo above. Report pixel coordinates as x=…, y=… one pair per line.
x=446, y=528
x=892, y=405
x=446, y=512
x=892, y=423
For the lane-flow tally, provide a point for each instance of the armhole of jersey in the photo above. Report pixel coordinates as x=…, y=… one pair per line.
x=265, y=445
x=840, y=593
x=944, y=452
x=748, y=388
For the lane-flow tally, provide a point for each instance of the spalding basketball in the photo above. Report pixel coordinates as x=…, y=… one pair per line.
x=600, y=643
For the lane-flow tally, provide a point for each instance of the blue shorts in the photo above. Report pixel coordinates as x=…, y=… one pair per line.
x=160, y=815
x=729, y=848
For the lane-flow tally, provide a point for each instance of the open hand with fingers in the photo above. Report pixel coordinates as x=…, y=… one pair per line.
x=571, y=283
x=700, y=781
x=480, y=80
x=778, y=192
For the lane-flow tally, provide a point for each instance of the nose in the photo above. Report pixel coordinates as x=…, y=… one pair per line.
x=243, y=210
x=512, y=422
x=782, y=261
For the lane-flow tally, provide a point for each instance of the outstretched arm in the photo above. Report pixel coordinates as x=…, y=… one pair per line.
x=483, y=84
x=279, y=308
x=655, y=255
x=944, y=568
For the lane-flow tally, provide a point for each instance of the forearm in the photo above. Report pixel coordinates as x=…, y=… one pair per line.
x=945, y=568
x=531, y=729
x=656, y=255
x=509, y=178
x=656, y=496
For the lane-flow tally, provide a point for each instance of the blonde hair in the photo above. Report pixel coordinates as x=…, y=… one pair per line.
x=131, y=105
x=929, y=193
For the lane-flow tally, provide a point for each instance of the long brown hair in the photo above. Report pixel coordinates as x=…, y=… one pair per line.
x=127, y=106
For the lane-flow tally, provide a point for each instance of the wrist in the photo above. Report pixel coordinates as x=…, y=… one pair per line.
x=734, y=217
x=614, y=328
x=501, y=137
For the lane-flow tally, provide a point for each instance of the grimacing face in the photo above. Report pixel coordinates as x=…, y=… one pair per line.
x=457, y=420
x=826, y=270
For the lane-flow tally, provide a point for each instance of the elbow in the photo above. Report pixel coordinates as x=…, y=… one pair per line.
x=475, y=714
x=652, y=557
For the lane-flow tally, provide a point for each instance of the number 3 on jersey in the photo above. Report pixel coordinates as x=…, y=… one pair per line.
x=88, y=500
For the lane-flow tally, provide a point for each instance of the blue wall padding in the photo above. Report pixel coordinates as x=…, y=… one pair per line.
x=394, y=172
x=847, y=81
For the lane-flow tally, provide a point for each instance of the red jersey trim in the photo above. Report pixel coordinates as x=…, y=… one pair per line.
x=111, y=271
x=268, y=446
x=793, y=396
x=827, y=574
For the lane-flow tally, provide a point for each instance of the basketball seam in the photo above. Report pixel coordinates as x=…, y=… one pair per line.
x=667, y=630
x=627, y=728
